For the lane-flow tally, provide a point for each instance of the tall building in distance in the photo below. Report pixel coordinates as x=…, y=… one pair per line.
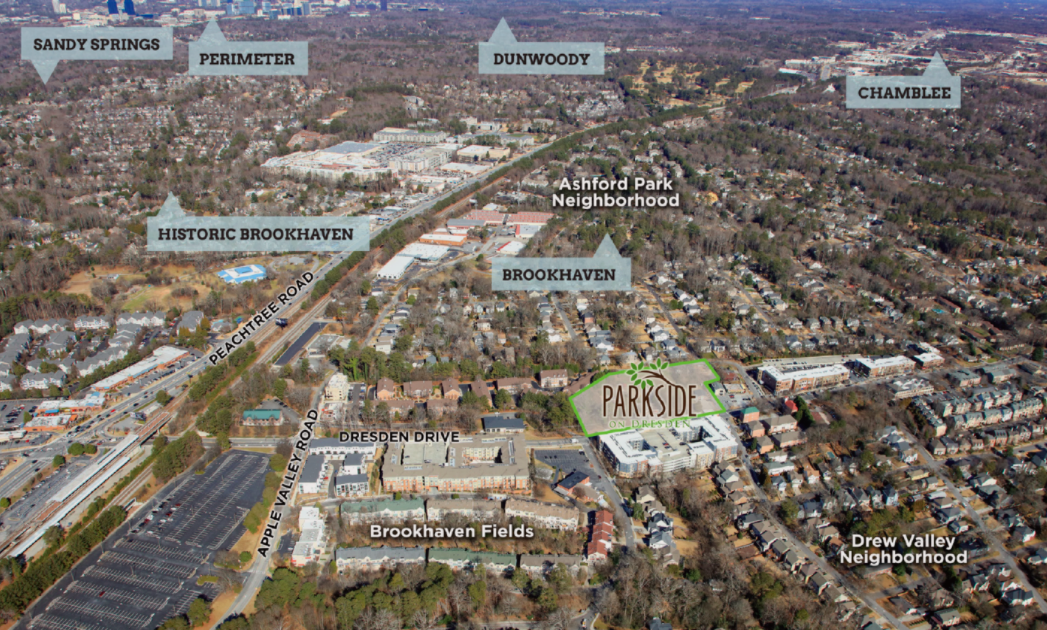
x=129, y=7
x=113, y=10
x=385, y=5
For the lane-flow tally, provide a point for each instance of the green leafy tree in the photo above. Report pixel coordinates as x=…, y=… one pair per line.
x=199, y=612
x=58, y=461
x=163, y=397
x=175, y=623
x=54, y=536
x=503, y=399
x=90, y=449
x=478, y=594
x=76, y=449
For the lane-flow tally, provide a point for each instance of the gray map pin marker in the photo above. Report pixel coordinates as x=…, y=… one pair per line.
x=44, y=47
x=214, y=55
x=607, y=270
x=936, y=88
x=502, y=54
x=172, y=230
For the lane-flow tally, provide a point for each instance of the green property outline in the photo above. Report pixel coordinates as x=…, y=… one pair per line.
x=707, y=384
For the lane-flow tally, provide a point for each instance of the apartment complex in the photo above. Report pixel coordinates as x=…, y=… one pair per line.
x=781, y=382
x=484, y=462
x=542, y=514
x=695, y=443
x=884, y=366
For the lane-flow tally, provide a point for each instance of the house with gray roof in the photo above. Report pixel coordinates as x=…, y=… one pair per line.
x=43, y=381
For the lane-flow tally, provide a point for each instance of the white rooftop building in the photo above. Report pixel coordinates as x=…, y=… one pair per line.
x=423, y=251
x=395, y=268
x=694, y=443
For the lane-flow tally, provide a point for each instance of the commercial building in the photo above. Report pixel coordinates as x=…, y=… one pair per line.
x=473, y=153
x=422, y=159
x=486, y=462
x=884, y=366
x=371, y=558
x=161, y=358
x=691, y=444
x=780, y=382
x=447, y=240
x=395, y=268
x=93, y=400
x=529, y=218
x=489, y=217
x=424, y=251
x=239, y=275
x=409, y=136
x=262, y=418
x=59, y=422
x=361, y=161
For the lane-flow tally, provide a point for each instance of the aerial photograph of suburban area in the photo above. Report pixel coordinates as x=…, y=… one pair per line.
x=530, y=315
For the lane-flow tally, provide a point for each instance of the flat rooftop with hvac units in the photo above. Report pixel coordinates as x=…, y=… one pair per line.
x=148, y=571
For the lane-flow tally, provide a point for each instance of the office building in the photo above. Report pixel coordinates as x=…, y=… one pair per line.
x=410, y=136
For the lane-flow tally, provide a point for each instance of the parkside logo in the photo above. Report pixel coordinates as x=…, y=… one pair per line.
x=650, y=394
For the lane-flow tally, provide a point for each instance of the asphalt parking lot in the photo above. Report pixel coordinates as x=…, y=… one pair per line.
x=299, y=343
x=147, y=571
x=567, y=460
